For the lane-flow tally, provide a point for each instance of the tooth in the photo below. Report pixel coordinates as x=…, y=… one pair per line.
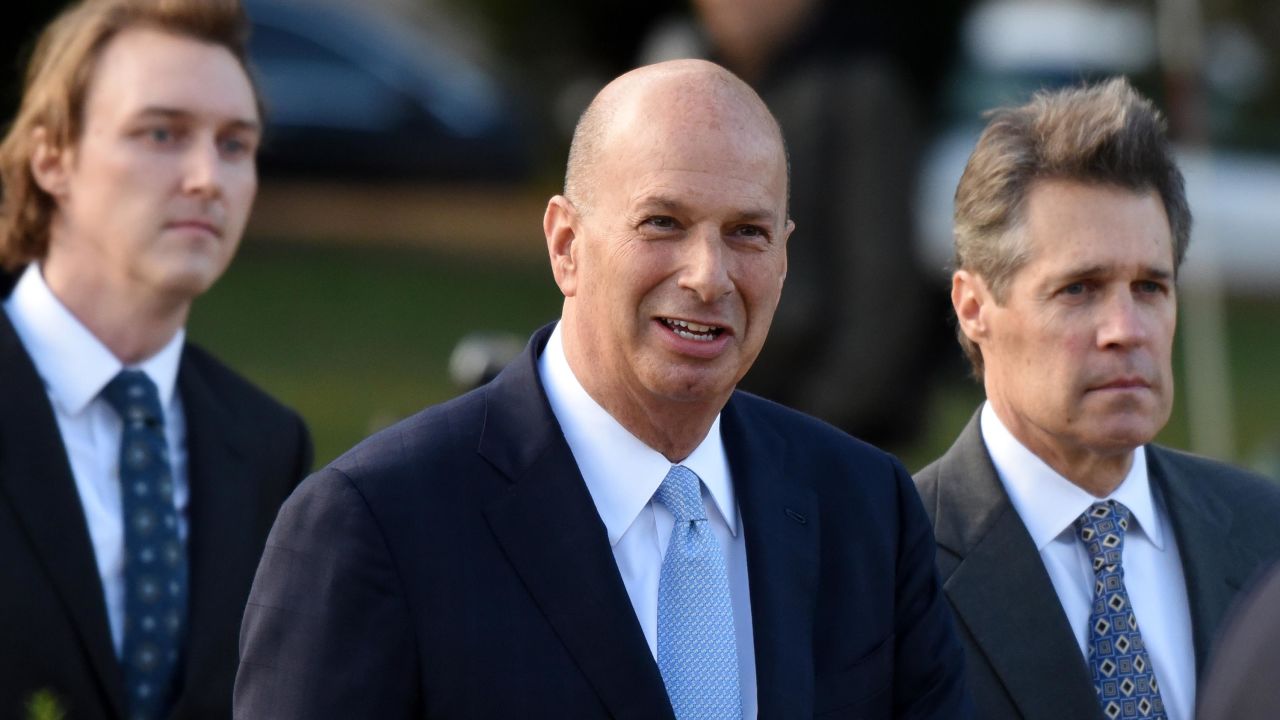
x=693, y=327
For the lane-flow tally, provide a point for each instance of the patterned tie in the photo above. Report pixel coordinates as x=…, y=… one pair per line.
x=155, y=566
x=697, y=648
x=1122, y=672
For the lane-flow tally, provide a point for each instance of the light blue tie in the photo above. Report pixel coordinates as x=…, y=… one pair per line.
x=697, y=650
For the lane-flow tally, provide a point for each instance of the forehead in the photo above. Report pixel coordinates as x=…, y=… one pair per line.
x=701, y=167
x=144, y=68
x=695, y=143
x=1073, y=224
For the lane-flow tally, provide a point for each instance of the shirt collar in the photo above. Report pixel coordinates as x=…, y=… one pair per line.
x=621, y=472
x=72, y=362
x=1047, y=502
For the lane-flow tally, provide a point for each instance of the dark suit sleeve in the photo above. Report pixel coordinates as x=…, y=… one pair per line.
x=929, y=675
x=327, y=632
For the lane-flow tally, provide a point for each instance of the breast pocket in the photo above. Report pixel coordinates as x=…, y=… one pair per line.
x=862, y=690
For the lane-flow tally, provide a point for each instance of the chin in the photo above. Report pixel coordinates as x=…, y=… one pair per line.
x=682, y=385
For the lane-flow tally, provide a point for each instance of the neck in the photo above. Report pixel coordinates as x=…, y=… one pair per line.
x=1097, y=472
x=130, y=324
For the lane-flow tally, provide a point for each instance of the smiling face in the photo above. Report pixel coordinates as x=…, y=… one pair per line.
x=155, y=193
x=672, y=275
x=1078, y=355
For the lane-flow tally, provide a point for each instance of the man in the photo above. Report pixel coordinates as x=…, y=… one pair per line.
x=608, y=529
x=138, y=476
x=1088, y=568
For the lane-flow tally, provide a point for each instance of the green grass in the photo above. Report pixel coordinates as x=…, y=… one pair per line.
x=357, y=338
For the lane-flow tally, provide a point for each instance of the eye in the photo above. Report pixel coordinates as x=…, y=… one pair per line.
x=751, y=231
x=1075, y=288
x=235, y=146
x=160, y=135
x=661, y=222
x=1149, y=287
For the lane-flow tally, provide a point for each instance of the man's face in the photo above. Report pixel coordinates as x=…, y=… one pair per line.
x=1078, y=356
x=155, y=193
x=680, y=258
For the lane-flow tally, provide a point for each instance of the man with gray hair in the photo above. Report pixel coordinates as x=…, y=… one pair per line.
x=1088, y=568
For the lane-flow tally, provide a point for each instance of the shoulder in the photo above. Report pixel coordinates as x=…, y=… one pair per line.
x=434, y=442
x=1246, y=492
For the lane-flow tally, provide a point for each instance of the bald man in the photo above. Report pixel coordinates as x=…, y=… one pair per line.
x=609, y=529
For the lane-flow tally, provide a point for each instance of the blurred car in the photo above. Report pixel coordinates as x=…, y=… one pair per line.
x=353, y=92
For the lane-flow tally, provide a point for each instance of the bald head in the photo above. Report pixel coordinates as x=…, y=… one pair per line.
x=677, y=95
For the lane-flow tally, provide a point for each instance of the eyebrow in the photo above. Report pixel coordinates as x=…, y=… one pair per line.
x=1150, y=272
x=180, y=114
x=673, y=205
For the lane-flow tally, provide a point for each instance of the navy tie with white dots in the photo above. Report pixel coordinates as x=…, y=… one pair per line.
x=155, y=566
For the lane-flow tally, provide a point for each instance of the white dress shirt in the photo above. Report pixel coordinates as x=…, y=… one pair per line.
x=75, y=366
x=622, y=474
x=1049, y=505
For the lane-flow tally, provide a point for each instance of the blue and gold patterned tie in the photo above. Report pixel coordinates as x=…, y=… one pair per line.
x=1122, y=671
x=155, y=565
x=697, y=648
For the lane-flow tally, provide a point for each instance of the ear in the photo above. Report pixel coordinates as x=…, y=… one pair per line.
x=50, y=165
x=560, y=225
x=971, y=299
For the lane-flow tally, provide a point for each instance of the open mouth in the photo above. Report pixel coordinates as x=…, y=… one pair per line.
x=693, y=331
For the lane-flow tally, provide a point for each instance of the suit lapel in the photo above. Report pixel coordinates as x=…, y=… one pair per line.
x=1214, y=565
x=1001, y=592
x=780, y=519
x=548, y=526
x=221, y=491
x=35, y=476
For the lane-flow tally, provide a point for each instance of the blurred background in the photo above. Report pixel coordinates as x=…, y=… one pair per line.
x=395, y=252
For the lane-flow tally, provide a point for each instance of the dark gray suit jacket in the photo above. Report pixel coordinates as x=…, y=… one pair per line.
x=1023, y=659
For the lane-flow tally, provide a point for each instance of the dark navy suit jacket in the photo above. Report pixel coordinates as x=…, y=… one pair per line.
x=455, y=566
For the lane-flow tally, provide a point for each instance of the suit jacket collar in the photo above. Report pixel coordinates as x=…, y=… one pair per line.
x=35, y=476
x=569, y=567
x=1000, y=590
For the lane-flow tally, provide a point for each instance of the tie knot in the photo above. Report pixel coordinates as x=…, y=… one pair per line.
x=134, y=398
x=681, y=493
x=1101, y=528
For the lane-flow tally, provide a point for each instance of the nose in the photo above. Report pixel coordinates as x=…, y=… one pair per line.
x=202, y=169
x=1124, y=322
x=706, y=272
